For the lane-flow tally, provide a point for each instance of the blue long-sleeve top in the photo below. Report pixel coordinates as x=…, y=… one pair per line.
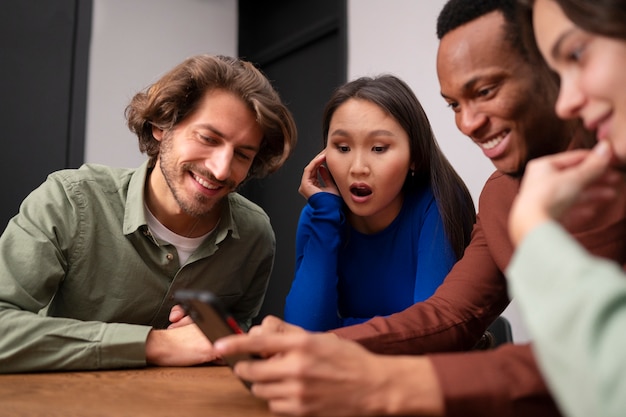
x=346, y=277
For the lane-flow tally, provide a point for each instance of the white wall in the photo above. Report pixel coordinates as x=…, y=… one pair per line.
x=133, y=43
x=399, y=37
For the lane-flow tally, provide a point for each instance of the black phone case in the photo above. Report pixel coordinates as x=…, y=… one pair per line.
x=208, y=312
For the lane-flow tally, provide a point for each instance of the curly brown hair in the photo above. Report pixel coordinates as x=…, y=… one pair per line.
x=176, y=95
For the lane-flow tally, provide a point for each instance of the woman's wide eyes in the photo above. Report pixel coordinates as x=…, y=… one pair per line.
x=375, y=149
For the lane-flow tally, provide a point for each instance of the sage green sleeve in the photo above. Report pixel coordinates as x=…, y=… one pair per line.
x=574, y=305
x=35, y=253
x=31, y=342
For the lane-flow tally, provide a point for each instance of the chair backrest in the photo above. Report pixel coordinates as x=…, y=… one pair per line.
x=497, y=333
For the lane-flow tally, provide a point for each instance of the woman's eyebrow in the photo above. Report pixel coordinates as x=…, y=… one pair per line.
x=556, y=48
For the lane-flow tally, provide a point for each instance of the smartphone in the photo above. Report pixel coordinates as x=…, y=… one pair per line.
x=212, y=317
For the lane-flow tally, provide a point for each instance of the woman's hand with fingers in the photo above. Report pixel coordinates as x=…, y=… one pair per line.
x=568, y=184
x=316, y=178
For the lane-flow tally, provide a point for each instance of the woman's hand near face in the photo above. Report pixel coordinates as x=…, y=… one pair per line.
x=566, y=184
x=311, y=176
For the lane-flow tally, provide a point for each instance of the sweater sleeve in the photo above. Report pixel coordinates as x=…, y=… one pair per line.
x=312, y=299
x=493, y=383
x=574, y=305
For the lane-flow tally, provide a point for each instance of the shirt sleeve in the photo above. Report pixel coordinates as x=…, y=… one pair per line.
x=34, y=254
x=312, y=299
x=574, y=305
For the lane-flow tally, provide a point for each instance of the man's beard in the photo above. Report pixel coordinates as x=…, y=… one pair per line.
x=197, y=207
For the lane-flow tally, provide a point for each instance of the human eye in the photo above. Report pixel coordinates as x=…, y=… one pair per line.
x=453, y=105
x=244, y=156
x=342, y=148
x=573, y=48
x=207, y=139
x=575, y=55
x=379, y=148
x=485, y=91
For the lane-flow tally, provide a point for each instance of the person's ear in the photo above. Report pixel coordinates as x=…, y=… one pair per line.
x=157, y=133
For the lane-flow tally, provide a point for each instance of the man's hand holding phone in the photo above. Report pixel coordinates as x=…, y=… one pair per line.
x=180, y=346
x=211, y=317
x=179, y=317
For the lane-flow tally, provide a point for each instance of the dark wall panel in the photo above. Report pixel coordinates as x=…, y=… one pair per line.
x=44, y=51
x=300, y=46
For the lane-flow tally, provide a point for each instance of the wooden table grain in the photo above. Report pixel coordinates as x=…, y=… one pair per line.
x=154, y=392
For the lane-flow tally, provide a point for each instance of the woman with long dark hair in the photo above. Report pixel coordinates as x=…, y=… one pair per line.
x=386, y=217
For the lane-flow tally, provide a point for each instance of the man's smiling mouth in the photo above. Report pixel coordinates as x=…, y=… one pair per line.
x=490, y=144
x=205, y=183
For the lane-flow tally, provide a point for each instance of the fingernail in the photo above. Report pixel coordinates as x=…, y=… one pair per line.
x=602, y=148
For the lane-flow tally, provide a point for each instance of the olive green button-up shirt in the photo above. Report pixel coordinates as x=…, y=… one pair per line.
x=83, y=281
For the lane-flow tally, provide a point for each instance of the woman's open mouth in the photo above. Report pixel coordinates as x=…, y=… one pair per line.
x=361, y=190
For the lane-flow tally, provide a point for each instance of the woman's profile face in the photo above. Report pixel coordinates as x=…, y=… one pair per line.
x=368, y=155
x=591, y=69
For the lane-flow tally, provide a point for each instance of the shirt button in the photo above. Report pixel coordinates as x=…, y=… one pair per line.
x=169, y=256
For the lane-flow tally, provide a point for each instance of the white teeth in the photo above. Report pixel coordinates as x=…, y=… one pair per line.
x=204, y=183
x=493, y=142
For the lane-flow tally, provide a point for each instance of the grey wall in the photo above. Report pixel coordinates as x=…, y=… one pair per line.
x=133, y=43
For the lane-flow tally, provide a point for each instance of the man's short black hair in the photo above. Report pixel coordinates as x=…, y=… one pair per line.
x=456, y=13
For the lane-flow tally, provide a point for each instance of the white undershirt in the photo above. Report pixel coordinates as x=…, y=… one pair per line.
x=185, y=246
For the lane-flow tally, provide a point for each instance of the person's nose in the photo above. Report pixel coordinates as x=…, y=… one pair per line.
x=571, y=99
x=219, y=162
x=470, y=119
x=359, y=164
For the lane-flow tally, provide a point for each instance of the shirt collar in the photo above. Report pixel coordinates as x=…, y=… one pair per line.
x=134, y=217
x=227, y=223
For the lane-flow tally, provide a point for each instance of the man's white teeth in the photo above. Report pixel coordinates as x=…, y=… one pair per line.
x=204, y=183
x=493, y=142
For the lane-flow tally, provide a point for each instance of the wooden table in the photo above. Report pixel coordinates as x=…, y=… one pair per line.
x=208, y=391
